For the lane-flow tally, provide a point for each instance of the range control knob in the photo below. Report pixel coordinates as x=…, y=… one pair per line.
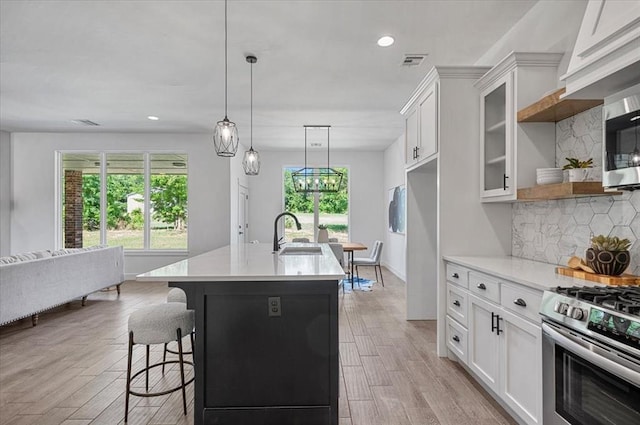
x=560, y=307
x=578, y=313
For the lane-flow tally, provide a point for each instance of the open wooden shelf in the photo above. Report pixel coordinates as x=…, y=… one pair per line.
x=553, y=109
x=563, y=190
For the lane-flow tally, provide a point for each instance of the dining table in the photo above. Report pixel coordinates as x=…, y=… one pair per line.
x=350, y=248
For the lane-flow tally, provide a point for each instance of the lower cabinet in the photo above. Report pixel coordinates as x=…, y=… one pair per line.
x=521, y=367
x=503, y=349
x=483, y=342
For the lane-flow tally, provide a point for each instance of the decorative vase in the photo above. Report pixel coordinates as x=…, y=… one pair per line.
x=323, y=236
x=611, y=263
x=578, y=174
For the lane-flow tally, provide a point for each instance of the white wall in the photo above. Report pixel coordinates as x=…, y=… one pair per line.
x=394, y=252
x=5, y=193
x=549, y=26
x=366, y=188
x=236, y=177
x=34, y=203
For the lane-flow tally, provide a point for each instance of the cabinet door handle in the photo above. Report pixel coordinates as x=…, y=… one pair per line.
x=481, y=286
x=456, y=303
x=455, y=276
x=520, y=302
x=495, y=323
x=417, y=149
x=456, y=338
x=504, y=181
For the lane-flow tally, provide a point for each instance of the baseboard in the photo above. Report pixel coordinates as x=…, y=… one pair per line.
x=397, y=273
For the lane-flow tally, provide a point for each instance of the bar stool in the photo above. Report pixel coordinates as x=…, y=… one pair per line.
x=158, y=324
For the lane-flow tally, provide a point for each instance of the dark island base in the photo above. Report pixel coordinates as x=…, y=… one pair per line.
x=266, y=352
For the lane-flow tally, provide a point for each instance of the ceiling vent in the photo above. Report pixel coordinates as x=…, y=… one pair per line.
x=413, y=59
x=85, y=122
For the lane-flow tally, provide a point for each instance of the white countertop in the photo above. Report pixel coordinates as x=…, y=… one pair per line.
x=534, y=274
x=250, y=262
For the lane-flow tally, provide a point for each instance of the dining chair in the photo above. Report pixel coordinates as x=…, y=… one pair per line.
x=305, y=240
x=372, y=260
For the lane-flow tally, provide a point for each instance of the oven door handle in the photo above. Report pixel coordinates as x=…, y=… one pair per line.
x=596, y=355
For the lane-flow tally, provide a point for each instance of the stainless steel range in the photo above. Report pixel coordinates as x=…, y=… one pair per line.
x=591, y=355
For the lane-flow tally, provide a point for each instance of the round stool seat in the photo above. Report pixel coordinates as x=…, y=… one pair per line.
x=157, y=324
x=176, y=295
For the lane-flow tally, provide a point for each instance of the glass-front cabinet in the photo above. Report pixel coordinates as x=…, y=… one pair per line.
x=510, y=151
x=496, y=130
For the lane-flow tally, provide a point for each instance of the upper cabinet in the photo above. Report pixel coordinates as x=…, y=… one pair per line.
x=511, y=152
x=421, y=125
x=605, y=58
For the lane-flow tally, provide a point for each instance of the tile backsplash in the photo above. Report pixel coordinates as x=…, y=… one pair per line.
x=553, y=231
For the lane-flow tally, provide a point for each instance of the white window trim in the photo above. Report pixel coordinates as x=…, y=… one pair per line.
x=58, y=174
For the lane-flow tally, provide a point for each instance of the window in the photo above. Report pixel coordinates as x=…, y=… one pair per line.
x=137, y=200
x=312, y=209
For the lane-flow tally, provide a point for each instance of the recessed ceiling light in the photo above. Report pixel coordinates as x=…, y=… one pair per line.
x=153, y=118
x=385, y=41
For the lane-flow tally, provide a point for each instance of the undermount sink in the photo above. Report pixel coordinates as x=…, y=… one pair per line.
x=301, y=250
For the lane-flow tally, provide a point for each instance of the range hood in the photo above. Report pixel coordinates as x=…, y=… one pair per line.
x=606, y=56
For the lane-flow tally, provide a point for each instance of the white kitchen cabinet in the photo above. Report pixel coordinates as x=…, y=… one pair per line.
x=411, y=136
x=520, y=364
x=495, y=333
x=483, y=342
x=510, y=152
x=421, y=126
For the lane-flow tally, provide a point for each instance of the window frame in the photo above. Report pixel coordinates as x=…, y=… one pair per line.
x=58, y=190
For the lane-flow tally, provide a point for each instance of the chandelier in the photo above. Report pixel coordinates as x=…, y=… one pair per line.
x=316, y=179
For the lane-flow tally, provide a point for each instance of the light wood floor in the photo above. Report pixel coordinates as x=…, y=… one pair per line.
x=70, y=369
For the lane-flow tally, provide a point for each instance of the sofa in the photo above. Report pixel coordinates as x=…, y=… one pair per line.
x=36, y=281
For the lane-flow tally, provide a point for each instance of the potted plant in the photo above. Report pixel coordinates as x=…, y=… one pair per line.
x=578, y=170
x=608, y=255
x=323, y=233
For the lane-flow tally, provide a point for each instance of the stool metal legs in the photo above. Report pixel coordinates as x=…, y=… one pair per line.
x=180, y=361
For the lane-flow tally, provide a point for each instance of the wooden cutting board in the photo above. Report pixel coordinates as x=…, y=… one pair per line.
x=624, y=279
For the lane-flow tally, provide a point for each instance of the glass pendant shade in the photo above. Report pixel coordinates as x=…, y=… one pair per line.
x=225, y=138
x=251, y=162
x=225, y=135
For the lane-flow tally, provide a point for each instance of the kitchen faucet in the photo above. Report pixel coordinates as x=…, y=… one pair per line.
x=276, y=241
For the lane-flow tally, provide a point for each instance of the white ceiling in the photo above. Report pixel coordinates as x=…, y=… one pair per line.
x=116, y=62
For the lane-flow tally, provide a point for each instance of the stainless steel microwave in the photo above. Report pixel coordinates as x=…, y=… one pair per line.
x=621, y=143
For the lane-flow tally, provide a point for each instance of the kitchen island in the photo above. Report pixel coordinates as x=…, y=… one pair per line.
x=266, y=346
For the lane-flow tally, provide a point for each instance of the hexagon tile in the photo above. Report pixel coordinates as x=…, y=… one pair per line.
x=554, y=231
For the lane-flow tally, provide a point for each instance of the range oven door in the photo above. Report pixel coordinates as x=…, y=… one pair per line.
x=586, y=382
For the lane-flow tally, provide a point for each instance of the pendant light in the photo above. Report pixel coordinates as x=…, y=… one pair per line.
x=225, y=136
x=316, y=179
x=251, y=160
x=634, y=156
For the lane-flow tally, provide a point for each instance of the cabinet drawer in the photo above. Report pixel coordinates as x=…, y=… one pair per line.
x=457, y=303
x=458, y=275
x=485, y=286
x=457, y=339
x=523, y=301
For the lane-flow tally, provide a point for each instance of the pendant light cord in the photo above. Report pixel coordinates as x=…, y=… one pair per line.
x=251, y=110
x=225, y=59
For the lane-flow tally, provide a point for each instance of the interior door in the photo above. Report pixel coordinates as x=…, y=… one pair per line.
x=243, y=214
